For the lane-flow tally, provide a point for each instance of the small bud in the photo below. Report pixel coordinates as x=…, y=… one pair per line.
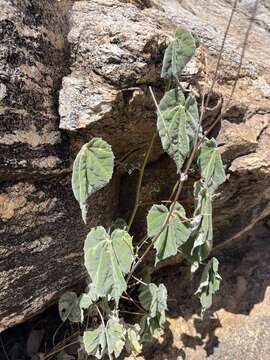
x=183, y=177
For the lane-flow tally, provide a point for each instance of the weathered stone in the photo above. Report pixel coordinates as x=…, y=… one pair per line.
x=40, y=227
x=41, y=243
x=116, y=46
x=103, y=55
x=238, y=325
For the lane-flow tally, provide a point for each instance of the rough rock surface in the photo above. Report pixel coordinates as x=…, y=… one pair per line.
x=115, y=54
x=40, y=228
x=102, y=55
x=239, y=322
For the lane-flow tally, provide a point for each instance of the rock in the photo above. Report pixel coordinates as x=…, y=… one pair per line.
x=107, y=58
x=238, y=326
x=41, y=231
x=102, y=55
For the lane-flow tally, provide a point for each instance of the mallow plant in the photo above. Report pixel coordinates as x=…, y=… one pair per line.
x=111, y=256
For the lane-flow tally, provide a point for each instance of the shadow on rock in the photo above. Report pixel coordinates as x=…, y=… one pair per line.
x=239, y=321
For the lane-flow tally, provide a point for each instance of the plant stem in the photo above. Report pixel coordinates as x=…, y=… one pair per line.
x=139, y=184
x=174, y=189
x=182, y=179
x=159, y=233
x=254, y=12
x=101, y=317
x=197, y=141
x=139, y=281
x=220, y=56
x=60, y=349
x=134, y=302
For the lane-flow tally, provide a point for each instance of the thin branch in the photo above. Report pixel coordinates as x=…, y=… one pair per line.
x=197, y=141
x=216, y=74
x=134, y=302
x=139, y=184
x=101, y=317
x=160, y=231
x=131, y=312
x=218, y=119
x=139, y=281
x=60, y=349
x=254, y=12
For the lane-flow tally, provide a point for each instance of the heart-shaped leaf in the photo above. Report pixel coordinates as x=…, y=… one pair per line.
x=108, y=340
x=175, y=233
x=107, y=259
x=92, y=170
x=115, y=332
x=211, y=166
x=178, y=53
x=177, y=125
x=69, y=307
x=95, y=342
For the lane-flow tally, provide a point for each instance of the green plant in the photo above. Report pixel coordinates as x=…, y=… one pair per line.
x=110, y=256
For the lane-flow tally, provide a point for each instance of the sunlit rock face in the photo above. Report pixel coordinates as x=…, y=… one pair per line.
x=70, y=71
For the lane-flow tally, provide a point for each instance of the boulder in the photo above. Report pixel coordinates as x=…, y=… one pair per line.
x=238, y=324
x=41, y=230
x=72, y=70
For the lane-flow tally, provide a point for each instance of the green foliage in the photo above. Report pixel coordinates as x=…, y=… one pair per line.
x=174, y=234
x=109, y=339
x=178, y=53
x=95, y=342
x=209, y=284
x=109, y=256
x=133, y=339
x=177, y=124
x=115, y=336
x=107, y=259
x=69, y=307
x=154, y=299
x=199, y=245
x=211, y=166
x=92, y=170
x=88, y=298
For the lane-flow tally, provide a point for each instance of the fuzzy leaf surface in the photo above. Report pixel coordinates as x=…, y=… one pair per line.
x=95, y=342
x=177, y=124
x=211, y=165
x=92, y=170
x=151, y=327
x=108, y=340
x=115, y=333
x=88, y=298
x=133, y=345
x=199, y=244
x=107, y=259
x=178, y=53
x=69, y=307
x=154, y=299
x=209, y=284
x=175, y=233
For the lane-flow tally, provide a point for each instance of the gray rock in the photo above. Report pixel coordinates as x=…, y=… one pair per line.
x=41, y=231
x=102, y=55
